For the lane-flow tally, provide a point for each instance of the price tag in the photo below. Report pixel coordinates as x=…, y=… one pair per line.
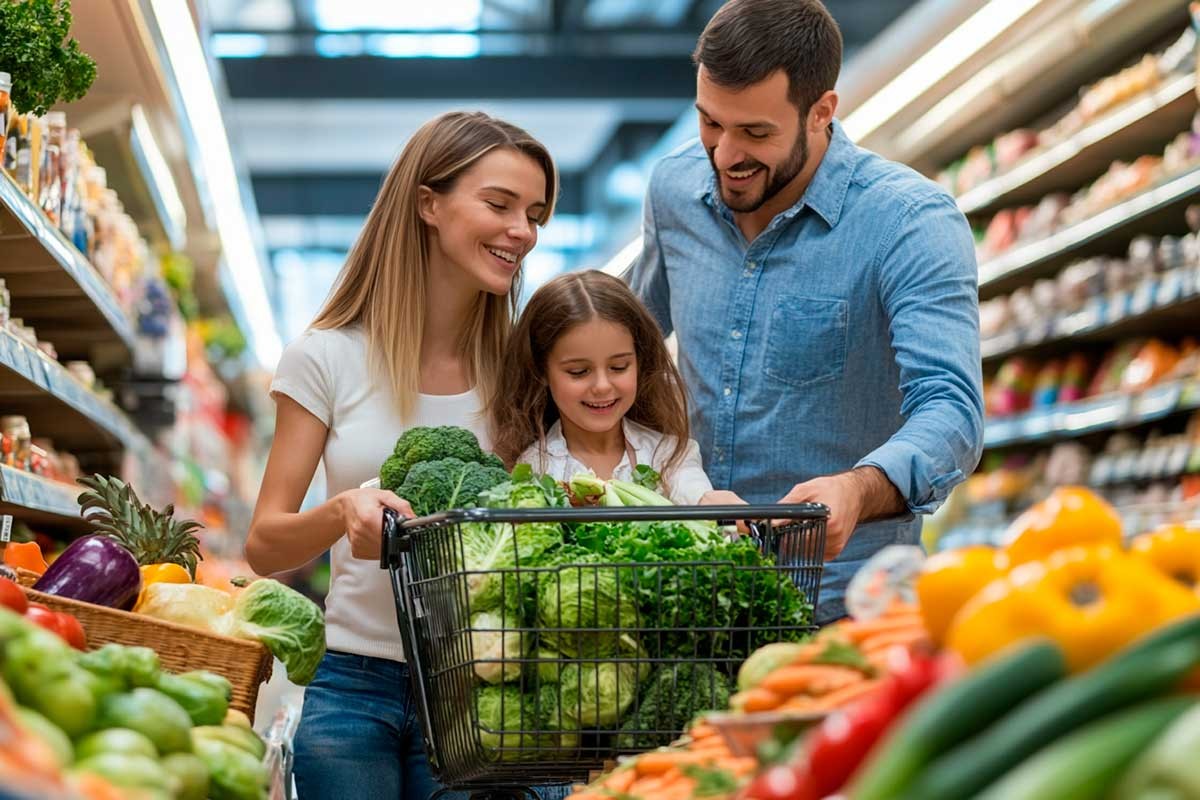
x=6, y=529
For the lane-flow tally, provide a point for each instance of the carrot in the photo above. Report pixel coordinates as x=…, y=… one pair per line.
x=702, y=731
x=756, y=699
x=740, y=766
x=679, y=789
x=809, y=679
x=656, y=762
x=860, y=630
x=646, y=787
x=844, y=696
x=802, y=703
x=889, y=639
x=710, y=749
x=621, y=780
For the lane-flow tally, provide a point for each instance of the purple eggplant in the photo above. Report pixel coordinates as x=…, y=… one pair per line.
x=94, y=569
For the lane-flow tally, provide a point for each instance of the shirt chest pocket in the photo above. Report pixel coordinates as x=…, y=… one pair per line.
x=806, y=340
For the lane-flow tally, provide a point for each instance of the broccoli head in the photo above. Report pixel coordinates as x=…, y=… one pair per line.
x=421, y=444
x=447, y=483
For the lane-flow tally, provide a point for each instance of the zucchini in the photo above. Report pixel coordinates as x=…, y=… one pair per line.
x=1147, y=670
x=955, y=712
x=1085, y=764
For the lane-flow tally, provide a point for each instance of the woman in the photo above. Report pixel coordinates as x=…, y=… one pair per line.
x=413, y=334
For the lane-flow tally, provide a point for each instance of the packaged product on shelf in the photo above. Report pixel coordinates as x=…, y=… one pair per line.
x=16, y=440
x=5, y=110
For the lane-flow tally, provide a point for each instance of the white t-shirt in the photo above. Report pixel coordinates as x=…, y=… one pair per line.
x=327, y=372
x=684, y=485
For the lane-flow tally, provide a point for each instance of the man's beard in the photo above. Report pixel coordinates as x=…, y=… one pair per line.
x=777, y=179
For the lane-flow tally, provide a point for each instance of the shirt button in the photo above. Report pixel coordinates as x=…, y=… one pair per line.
x=736, y=334
x=728, y=391
x=750, y=265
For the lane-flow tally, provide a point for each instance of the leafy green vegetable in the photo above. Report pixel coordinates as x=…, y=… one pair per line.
x=674, y=695
x=845, y=654
x=597, y=694
x=491, y=552
x=432, y=486
x=526, y=490
x=497, y=647
x=45, y=65
x=577, y=604
x=647, y=477
x=520, y=726
x=421, y=444
x=288, y=623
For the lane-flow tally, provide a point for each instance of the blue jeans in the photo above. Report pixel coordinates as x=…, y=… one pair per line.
x=359, y=733
x=360, y=736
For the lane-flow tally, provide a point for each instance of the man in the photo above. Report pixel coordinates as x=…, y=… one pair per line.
x=824, y=299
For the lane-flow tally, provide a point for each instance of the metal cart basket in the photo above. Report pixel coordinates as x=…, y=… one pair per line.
x=552, y=661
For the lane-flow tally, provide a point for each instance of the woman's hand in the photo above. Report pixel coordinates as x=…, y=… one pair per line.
x=361, y=511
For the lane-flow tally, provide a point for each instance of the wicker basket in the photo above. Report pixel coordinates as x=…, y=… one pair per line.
x=246, y=664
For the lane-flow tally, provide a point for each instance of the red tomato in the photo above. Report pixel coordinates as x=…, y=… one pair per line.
x=11, y=596
x=39, y=615
x=782, y=782
x=71, y=630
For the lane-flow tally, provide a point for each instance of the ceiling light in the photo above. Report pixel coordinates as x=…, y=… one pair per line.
x=190, y=68
x=969, y=38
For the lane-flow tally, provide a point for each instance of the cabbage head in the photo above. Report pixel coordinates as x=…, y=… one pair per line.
x=496, y=648
x=583, y=609
x=491, y=552
x=596, y=694
x=288, y=623
x=522, y=726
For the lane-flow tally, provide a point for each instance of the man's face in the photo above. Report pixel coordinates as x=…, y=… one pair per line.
x=755, y=138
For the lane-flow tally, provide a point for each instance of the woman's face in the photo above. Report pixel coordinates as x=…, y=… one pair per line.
x=487, y=223
x=593, y=375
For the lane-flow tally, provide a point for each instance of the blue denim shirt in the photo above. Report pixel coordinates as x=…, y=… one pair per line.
x=845, y=334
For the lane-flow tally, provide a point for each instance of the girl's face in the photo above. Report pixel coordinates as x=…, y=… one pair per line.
x=487, y=223
x=592, y=372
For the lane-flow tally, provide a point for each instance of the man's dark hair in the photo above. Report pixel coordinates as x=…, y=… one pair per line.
x=748, y=40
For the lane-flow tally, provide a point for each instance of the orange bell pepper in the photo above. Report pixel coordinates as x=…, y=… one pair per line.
x=1173, y=550
x=1090, y=600
x=25, y=555
x=1071, y=516
x=948, y=580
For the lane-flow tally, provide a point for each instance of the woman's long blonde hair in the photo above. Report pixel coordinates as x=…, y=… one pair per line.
x=385, y=281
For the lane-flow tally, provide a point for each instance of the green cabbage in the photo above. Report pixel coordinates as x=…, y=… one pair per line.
x=491, y=554
x=597, y=694
x=288, y=623
x=583, y=608
x=521, y=726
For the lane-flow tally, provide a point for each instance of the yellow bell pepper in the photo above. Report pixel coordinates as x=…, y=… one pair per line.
x=1090, y=600
x=948, y=580
x=1071, y=516
x=1173, y=550
x=161, y=573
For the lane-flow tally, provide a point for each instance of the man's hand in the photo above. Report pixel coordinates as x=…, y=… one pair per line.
x=860, y=495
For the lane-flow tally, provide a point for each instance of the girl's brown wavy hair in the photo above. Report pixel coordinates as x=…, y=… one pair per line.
x=521, y=408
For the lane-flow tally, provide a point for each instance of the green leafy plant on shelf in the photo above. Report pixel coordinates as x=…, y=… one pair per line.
x=46, y=66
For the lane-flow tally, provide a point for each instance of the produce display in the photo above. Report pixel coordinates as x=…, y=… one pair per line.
x=1057, y=666
x=111, y=723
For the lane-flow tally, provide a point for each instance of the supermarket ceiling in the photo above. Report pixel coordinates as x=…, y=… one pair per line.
x=325, y=92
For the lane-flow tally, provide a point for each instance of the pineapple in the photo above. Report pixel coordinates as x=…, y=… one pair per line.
x=153, y=537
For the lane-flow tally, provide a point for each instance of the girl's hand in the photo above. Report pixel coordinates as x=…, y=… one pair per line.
x=721, y=497
x=361, y=511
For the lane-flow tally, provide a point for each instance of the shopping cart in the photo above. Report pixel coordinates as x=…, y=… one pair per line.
x=535, y=675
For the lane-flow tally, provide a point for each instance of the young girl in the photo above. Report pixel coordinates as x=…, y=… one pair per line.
x=588, y=384
x=412, y=334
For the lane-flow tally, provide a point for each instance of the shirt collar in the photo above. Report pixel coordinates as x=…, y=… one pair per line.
x=638, y=437
x=825, y=195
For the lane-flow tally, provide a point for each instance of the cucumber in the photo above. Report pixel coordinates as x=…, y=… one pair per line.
x=1146, y=670
x=955, y=712
x=1085, y=764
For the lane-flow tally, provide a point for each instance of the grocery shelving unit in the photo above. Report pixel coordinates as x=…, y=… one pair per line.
x=1027, y=78
x=39, y=501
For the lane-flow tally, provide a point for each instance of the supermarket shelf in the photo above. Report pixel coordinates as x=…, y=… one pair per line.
x=1155, y=210
x=60, y=407
x=55, y=289
x=1166, y=304
x=1140, y=126
x=1111, y=412
x=39, y=501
